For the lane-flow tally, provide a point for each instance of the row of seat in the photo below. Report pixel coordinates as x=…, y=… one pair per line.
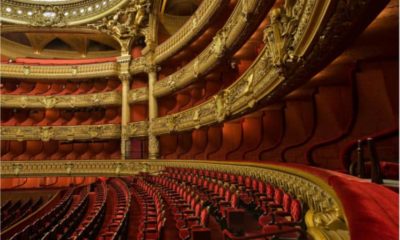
x=64, y=228
x=55, y=150
x=59, y=117
x=13, y=212
x=38, y=228
x=189, y=209
x=280, y=213
x=115, y=225
x=89, y=227
x=152, y=209
x=59, y=87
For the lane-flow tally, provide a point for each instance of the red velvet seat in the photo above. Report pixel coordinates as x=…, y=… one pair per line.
x=84, y=87
x=68, y=88
x=15, y=148
x=39, y=89
x=49, y=148
x=55, y=88
x=202, y=222
x=23, y=88
x=32, y=148
x=63, y=150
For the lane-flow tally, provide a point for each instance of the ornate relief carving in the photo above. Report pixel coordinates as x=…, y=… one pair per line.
x=279, y=35
x=221, y=106
x=83, y=100
x=137, y=129
x=218, y=45
x=69, y=133
x=46, y=16
x=126, y=23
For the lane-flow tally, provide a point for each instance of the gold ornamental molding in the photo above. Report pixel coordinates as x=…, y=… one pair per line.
x=68, y=133
x=138, y=95
x=57, y=13
x=232, y=34
x=189, y=30
x=290, y=56
x=138, y=129
x=61, y=101
x=60, y=71
x=325, y=215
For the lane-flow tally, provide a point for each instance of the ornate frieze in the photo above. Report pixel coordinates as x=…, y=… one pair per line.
x=59, y=71
x=69, y=133
x=60, y=101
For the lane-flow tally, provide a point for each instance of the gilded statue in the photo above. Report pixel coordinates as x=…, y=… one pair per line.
x=126, y=23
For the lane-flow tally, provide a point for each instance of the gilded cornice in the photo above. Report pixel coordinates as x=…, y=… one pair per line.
x=59, y=71
x=233, y=33
x=61, y=101
x=68, y=133
x=57, y=15
x=325, y=214
x=188, y=31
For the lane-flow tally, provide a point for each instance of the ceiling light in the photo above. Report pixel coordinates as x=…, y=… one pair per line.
x=19, y=12
x=30, y=13
x=66, y=13
x=8, y=9
x=90, y=9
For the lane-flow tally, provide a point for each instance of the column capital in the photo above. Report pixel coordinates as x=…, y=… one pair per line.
x=124, y=77
x=151, y=68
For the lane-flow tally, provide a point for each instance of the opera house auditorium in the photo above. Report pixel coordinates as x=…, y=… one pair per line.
x=199, y=119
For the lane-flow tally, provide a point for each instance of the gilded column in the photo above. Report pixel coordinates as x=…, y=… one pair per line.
x=153, y=112
x=125, y=77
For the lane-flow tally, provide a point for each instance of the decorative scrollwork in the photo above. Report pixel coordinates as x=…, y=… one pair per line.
x=126, y=23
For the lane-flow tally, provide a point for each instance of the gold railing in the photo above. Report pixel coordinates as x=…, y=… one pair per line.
x=69, y=133
x=59, y=71
x=286, y=61
x=232, y=33
x=325, y=217
x=190, y=29
x=61, y=101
